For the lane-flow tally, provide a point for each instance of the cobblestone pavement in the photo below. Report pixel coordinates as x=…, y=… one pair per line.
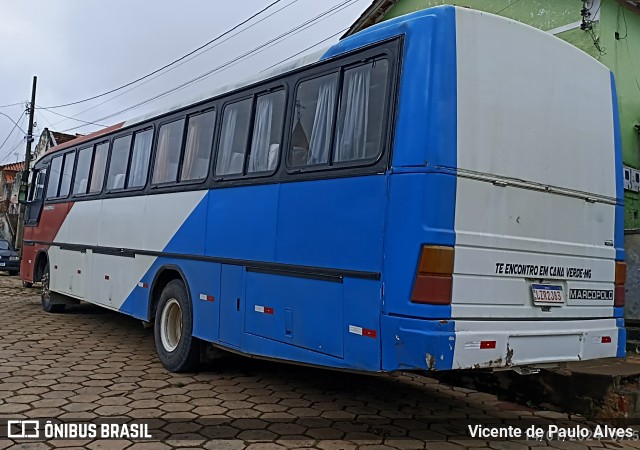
x=90, y=363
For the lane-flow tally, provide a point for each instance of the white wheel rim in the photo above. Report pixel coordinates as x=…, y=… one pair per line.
x=171, y=325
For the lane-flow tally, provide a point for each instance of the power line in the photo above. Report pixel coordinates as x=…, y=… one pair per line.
x=169, y=64
x=41, y=114
x=10, y=152
x=12, y=104
x=14, y=122
x=180, y=64
x=12, y=130
x=69, y=117
x=304, y=50
x=327, y=13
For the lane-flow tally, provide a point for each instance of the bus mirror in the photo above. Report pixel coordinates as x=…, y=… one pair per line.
x=22, y=194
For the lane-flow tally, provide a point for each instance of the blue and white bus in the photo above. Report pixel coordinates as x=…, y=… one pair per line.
x=440, y=191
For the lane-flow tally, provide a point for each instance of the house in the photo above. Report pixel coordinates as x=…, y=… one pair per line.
x=9, y=188
x=49, y=139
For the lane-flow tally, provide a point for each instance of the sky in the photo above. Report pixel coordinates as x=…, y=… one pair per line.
x=80, y=49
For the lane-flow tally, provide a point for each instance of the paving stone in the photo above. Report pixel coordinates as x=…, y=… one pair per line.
x=149, y=446
x=336, y=445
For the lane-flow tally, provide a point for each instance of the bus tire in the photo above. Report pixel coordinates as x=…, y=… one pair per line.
x=177, y=349
x=13, y=273
x=45, y=294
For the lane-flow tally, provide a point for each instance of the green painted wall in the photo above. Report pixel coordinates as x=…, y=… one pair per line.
x=622, y=56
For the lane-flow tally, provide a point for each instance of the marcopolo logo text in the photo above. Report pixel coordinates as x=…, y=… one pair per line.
x=591, y=294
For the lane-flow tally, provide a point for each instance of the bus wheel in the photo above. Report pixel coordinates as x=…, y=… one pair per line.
x=177, y=349
x=45, y=295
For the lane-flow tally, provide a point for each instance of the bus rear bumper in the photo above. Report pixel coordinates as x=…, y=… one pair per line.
x=411, y=344
x=496, y=344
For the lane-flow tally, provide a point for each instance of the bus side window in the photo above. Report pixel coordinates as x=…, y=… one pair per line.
x=197, y=149
x=98, y=167
x=361, y=112
x=119, y=161
x=81, y=182
x=36, y=190
x=267, y=132
x=165, y=167
x=40, y=179
x=233, y=138
x=54, y=177
x=313, y=123
x=67, y=173
x=139, y=169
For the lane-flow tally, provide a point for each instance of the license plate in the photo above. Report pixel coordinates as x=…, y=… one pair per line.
x=2, y=264
x=547, y=293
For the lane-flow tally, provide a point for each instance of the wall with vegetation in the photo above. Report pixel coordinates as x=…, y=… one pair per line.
x=622, y=56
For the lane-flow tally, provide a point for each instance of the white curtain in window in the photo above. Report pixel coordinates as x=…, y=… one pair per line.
x=140, y=160
x=161, y=167
x=353, y=138
x=259, y=160
x=189, y=166
x=226, y=144
x=323, y=122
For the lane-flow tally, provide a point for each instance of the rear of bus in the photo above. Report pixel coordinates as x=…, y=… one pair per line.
x=503, y=244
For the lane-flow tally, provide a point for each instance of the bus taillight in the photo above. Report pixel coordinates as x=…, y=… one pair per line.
x=435, y=276
x=621, y=278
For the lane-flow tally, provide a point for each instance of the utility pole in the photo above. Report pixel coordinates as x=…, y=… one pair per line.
x=27, y=162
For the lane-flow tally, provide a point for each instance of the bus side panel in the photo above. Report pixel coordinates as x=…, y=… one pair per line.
x=114, y=275
x=51, y=221
x=421, y=211
x=362, y=306
x=342, y=334
x=27, y=263
x=185, y=232
x=333, y=223
x=302, y=312
x=241, y=222
x=70, y=268
x=231, y=305
x=180, y=232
